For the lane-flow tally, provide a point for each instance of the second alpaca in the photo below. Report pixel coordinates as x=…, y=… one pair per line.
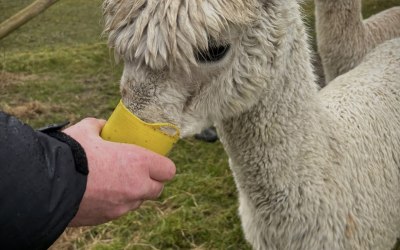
x=344, y=38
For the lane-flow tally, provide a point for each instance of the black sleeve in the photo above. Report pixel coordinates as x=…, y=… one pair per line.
x=42, y=181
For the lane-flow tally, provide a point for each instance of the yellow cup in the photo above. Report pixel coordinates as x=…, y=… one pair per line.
x=123, y=126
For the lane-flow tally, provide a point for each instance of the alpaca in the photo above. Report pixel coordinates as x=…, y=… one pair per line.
x=314, y=169
x=344, y=38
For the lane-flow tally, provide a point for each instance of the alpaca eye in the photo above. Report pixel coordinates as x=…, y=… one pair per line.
x=212, y=54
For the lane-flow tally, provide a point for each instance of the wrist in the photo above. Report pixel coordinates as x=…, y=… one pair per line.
x=80, y=158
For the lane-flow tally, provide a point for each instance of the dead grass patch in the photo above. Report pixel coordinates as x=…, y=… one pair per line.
x=9, y=79
x=31, y=109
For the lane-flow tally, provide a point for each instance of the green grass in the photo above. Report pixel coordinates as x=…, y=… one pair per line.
x=58, y=67
x=67, y=23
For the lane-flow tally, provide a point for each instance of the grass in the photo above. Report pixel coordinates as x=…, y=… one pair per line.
x=58, y=68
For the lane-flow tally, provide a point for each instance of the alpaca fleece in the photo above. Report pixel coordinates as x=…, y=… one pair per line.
x=314, y=169
x=344, y=38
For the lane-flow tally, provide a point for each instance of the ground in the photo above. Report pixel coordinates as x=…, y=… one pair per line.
x=59, y=68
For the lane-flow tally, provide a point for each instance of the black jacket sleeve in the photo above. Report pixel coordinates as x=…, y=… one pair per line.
x=42, y=180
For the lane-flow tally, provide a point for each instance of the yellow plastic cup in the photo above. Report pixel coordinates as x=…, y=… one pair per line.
x=124, y=127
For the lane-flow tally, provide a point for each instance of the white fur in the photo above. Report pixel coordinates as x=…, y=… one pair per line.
x=314, y=170
x=344, y=38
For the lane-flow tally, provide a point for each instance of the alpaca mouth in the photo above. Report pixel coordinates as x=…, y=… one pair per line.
x=125, y=127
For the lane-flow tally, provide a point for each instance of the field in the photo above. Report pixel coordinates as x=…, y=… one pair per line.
x=58, y=68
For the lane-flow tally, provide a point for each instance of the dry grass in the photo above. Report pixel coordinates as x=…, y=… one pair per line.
x=55, y=69
x=31, y=109
x=7, y=79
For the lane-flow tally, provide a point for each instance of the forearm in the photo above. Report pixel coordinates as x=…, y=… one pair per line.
x=41, y=185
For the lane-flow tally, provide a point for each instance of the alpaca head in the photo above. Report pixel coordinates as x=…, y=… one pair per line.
x=192, y=62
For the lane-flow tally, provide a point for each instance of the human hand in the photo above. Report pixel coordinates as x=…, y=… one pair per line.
x=121, y=176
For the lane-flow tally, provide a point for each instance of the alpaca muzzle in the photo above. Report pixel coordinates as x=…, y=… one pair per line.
x=125, y=127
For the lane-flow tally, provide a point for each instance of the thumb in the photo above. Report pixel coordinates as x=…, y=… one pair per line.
x=94, y=124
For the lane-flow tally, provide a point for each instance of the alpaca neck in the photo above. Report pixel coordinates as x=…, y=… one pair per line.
x=340, y=31
x=264, y=142
x=334, y=17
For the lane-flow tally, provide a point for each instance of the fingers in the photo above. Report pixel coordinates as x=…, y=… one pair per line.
x=124, y=209
x=135, y=205
x=161, y=168
x=152, y=190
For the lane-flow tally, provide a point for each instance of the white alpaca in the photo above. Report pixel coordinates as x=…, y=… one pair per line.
x=314, y=170
x=344, y=38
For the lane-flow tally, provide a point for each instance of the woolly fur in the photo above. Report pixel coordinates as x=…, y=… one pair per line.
x=344, y=38
x=314, y=169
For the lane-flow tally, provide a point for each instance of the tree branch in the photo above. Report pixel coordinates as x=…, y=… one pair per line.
x=24, y=16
